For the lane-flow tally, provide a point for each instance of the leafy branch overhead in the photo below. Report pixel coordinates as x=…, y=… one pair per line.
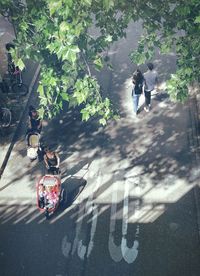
x=55, y=34
x=58, y=35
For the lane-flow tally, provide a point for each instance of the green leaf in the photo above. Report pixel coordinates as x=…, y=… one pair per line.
x=75, y=49
x=102, y=121
x=65, y=96
x=188, y=71
x=138, y=58
x=60, y=104
x=165, y=48
x=87, y=2
x=98, y=63
x=41, y=112
x=85, y=115
x=54, y=6
x=70, y=54
x=20, y=64
x=41, y=90
x=64, y=27
x=108, y=38
x=43, y=101
x=197, y=20
x=108, y=4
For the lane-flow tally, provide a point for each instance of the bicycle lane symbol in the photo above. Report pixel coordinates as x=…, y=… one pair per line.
x=117, y=253
x=122, y=251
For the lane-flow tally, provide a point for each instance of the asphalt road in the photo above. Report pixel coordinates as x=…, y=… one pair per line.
x=131, y=208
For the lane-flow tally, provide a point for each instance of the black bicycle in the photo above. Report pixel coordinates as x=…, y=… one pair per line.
x=18, y=86
x=5, y=117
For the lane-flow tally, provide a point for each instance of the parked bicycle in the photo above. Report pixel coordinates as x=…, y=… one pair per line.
x=15, y=75
x=18, y=86
x=5, y=117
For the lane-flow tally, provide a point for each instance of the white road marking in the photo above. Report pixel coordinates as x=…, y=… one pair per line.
x=93, y=230
x=129, y=254
x=66, y=246
x=78, y=228
x=122, y=251
x=115, y=251
x=91, y=208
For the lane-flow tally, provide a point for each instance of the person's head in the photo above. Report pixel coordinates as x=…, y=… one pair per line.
x=49, y=152
x=34, y=113
x=9, y=46
x=137, y=76
x=47, y=149
x=150, y=66
x=31, y=108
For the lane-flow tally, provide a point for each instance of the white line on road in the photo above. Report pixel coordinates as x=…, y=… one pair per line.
x=129, y=254
x=122, y=250
x=115, y=251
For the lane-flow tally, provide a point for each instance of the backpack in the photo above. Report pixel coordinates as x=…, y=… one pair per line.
x=138, y=88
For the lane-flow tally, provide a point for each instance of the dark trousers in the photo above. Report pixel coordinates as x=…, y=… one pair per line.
x=147, y=97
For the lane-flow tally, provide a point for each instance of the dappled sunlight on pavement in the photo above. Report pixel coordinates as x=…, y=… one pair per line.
x=153, y=150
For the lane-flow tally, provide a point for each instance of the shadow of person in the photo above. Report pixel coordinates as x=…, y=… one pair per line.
x=73, y=187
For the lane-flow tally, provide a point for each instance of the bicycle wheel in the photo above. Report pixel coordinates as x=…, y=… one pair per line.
x=6, y=117
x=20, y=88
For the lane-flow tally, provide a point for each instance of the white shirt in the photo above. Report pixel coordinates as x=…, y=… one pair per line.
x=150, y=79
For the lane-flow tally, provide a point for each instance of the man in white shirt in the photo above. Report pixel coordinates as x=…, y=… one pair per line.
x=150, y=80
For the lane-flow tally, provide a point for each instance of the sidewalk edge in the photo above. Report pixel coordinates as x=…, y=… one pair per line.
x=13, y=140
x=196, y=140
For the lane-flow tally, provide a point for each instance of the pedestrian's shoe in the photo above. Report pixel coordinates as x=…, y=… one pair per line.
x=146, y=109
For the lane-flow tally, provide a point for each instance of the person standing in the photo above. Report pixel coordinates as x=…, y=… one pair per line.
x=150, y=81
x=138, y=82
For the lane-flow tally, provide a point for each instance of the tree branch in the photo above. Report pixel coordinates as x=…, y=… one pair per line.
x=87, y=65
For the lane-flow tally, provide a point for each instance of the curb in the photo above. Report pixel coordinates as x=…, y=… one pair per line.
x=195, y=122
x=13, y=140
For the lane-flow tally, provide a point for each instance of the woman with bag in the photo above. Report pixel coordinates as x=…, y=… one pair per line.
x=138, y=81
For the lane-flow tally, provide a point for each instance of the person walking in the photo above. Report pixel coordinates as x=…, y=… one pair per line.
x=35, y=123
x=52, y=161
x=138, y=82
x=150, y=81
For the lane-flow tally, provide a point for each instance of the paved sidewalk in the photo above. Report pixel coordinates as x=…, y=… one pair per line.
x=17, y=105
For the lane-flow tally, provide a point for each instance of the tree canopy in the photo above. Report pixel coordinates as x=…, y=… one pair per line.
x=55, y=34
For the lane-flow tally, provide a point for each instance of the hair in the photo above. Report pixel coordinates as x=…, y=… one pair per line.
x=150, y=66
x=31, y=108
x=137, y=76
x=46, y=149
x=9, y=46
x=49, y=150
